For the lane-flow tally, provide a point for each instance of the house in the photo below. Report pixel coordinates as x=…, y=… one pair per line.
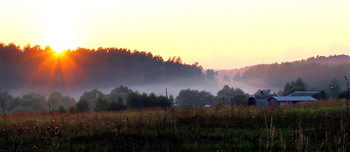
x=315, y=95
x=288, y=100
x=260, y=99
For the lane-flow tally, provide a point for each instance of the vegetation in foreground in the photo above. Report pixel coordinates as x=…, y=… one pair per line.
x=317, y=126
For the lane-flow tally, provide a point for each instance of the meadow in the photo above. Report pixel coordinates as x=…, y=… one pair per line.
x=316, y=126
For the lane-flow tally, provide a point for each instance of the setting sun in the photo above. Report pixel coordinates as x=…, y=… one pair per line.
x=58, y=51
x=61, y=38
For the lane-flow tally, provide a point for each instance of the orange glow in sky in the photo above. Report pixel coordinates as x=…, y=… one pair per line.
x=218, y=34
x=57, y=66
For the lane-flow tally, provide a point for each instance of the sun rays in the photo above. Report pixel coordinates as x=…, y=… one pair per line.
x=57, y=69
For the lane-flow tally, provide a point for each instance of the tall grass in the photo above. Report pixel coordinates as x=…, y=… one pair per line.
x=317, y=126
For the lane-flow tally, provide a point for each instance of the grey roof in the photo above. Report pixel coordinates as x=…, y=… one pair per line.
x=262, y=96
x=303, y=93
x=294, y=98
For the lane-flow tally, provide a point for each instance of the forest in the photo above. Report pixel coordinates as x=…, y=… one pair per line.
x=43, y=70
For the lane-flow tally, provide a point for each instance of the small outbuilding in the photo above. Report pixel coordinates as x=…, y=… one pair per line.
x=289, y=100
x=260, y=99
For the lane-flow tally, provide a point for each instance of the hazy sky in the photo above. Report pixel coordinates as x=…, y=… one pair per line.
x=218, y=34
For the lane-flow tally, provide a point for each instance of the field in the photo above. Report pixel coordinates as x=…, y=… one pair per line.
x=318, y=126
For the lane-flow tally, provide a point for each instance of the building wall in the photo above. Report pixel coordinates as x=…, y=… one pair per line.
x=273, y=102
x=286, y=103
x=261, y=102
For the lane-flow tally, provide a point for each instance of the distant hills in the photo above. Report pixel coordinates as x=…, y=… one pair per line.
x=317, y=72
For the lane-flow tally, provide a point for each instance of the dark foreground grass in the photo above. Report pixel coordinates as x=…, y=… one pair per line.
x=318, y=126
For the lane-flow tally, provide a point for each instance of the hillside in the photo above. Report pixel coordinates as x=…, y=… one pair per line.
x=44, y=70
x=316, y=71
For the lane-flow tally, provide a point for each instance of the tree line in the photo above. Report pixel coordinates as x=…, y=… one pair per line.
x=225, y=96
x=120, y=98
x=34, y=67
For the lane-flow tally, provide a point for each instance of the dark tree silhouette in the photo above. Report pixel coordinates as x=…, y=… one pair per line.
x=192, y=98
x=89, y=68
x=82, y=106
x=298, y=85
x=229, y=94
x=136, y=100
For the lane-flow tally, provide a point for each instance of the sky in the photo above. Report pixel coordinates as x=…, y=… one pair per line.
x=219, y=34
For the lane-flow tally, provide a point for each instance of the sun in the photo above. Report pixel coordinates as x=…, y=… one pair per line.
x=61, y=36
x=58, y=51
x=60, y=40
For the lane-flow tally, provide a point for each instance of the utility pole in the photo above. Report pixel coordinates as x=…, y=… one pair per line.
x=331, y=89
x=347, y=93
x=166, y=92
x=3, y=109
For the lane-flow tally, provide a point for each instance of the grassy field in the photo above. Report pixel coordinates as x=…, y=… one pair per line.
x=317, y=126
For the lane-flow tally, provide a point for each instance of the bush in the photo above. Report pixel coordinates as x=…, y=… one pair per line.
x=82, y=106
